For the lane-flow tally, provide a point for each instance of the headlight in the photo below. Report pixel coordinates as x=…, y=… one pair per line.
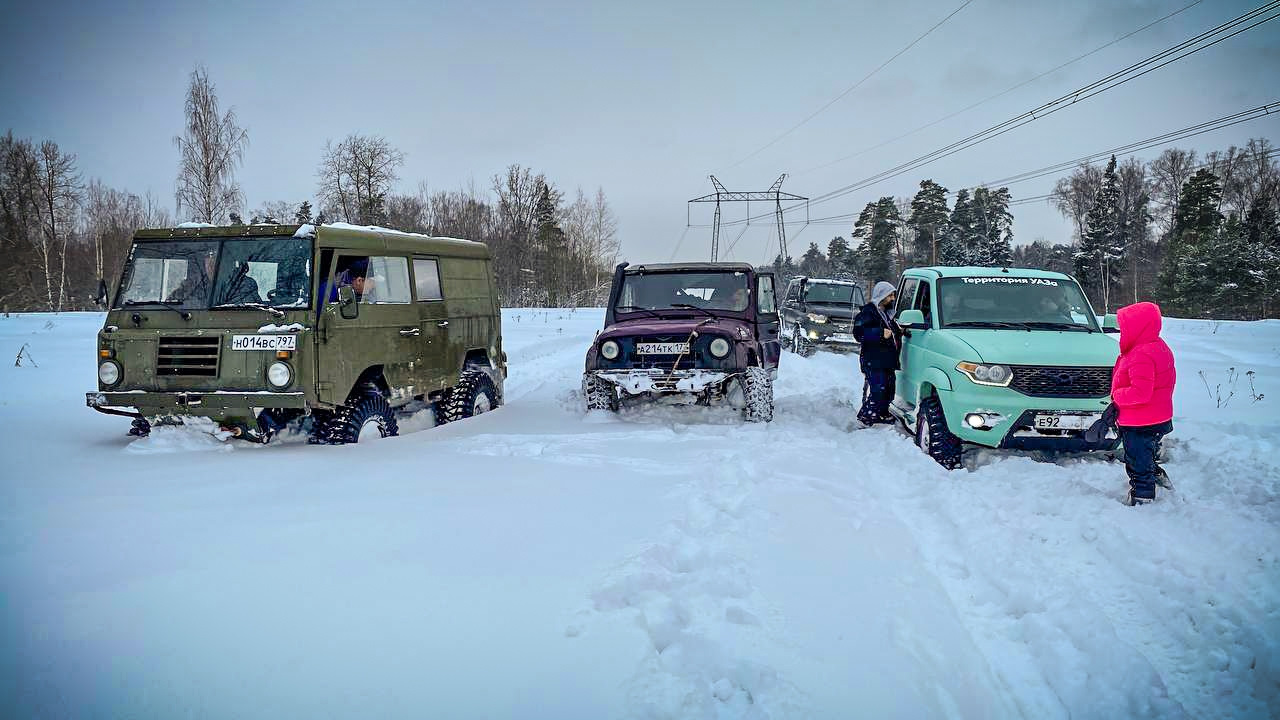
x=817, y=317
x=279, y=374
x=719, y=347
x=998, y=375
x=109, y=373
x=609, y=349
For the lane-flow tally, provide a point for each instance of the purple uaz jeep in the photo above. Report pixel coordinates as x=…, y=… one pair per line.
x=687, y=333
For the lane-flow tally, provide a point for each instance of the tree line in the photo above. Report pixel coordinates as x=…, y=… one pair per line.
x=63, y=240
x=1197, y=234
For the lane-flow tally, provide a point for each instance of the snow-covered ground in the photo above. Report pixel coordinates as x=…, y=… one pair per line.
x=541, y=561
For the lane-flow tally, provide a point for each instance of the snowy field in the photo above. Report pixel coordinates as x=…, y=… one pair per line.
x=542, y=562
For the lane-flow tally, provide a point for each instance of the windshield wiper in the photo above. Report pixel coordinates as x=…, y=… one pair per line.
x=694, y=307
x=1048, y=325
x=988, y=324
x=274, y=312
x=634, y=308
x=167, y=305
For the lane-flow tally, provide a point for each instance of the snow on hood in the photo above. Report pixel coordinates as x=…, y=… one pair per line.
x=1139, y=323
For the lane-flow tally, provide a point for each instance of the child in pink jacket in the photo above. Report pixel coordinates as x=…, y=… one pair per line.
x=1142, y=390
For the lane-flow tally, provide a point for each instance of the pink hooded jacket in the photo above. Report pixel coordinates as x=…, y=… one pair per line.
x=1142, y=383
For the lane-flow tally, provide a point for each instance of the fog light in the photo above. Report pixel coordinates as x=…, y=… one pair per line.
x=108, y=373
x=813, y=334
x=279, y=374
x=975, y=421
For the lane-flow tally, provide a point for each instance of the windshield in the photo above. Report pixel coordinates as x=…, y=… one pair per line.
x=837, y=294
x=231, y=272
x=1023, y=302
x=681, y=291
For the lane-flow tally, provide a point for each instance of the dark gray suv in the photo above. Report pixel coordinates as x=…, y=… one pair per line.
x=817, y=313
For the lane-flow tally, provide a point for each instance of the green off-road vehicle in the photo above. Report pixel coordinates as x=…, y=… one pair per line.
x=335, y=329
x=1001, y=358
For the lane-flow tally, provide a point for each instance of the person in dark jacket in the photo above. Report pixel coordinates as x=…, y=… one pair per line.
x=880, y=339
x=1142, y=391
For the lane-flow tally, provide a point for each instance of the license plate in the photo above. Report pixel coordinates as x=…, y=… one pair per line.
x=843, y=337
x=264, y=342
x=1065, y=422
x=657, y=348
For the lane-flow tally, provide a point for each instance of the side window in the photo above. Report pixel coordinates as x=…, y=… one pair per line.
x=387, y=282
x=793, y=291
x=906, y=293
x=426, y=277
x=766, y=303
x=924, y=303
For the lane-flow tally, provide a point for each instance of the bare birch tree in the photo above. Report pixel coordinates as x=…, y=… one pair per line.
x=356, y=175
x=60, y=193
x=210, y=149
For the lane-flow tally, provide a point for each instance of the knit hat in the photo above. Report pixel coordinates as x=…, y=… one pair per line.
x=881, y=291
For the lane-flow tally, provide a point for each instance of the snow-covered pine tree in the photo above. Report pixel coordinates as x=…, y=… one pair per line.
x=813, y=263
x=1184, y=283
x=1101, y=246
x=877, y=231
x=954, y=246
x=303, y=215
x=992, y=236
x=841, y=259
x=928, y=218
x=1262, y=233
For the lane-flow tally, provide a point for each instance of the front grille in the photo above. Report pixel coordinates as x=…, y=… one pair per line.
x=194, y=356
x=1061, y=382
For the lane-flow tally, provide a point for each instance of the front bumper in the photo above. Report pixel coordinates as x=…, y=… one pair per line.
x=1011, y=416
x=192, y=402
x=639, y=381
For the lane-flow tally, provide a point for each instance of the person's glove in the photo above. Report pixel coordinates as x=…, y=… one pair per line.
x=1098, y=430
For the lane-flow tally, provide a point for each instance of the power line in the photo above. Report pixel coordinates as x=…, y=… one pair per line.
x=1002, y=93
x=851, y=88
x=1193, y=45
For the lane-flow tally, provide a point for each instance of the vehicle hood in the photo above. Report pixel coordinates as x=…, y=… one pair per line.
x=1039, y=347
x=727, y=326
x=840, y=311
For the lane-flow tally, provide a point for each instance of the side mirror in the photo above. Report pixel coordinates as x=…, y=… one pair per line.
x=913, y=320
x=347, y=304
x=1110, y=324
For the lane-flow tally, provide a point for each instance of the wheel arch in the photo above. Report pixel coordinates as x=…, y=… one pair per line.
x=371, y=376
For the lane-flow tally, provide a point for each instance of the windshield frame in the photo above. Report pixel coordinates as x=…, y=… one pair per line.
x=854, y=291
x=1023, y=324
x=214, y=297
x=697, y=308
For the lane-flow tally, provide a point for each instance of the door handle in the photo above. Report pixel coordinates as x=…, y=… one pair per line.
x=443, y=324
x=411, y=332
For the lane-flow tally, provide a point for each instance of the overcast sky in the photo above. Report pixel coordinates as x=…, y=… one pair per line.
x=644, y=99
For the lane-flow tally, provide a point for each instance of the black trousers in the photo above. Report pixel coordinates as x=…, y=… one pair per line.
x=879, y=391
x=1141, y=447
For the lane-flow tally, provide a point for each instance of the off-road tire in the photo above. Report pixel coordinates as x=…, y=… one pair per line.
x=599, y=394
x=757, y=391
x=474, y=394
x=933, y=437
x=801, y=345
x=343, y=426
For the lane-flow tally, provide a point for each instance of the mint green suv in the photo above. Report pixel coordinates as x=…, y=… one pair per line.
x=1002, y=358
